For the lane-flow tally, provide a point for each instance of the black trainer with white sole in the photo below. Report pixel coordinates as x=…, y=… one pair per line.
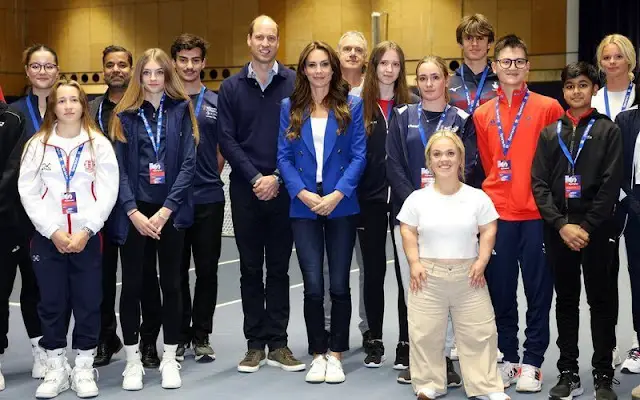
x=375, y=354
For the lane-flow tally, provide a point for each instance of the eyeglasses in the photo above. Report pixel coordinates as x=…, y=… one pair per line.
x=49, y=68
x=506, y=62
x=349, y=49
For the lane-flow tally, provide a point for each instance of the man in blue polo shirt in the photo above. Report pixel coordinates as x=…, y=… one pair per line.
x=248, y=126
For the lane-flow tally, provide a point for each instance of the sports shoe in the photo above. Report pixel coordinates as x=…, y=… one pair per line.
x=252, y=361
x=375, y=354
x=404, y=377
x=402, y=356
x=170, y=369
x=453, y=379
x=39, y=362
x=106, y=350
x=180, y=351
x=635, y=394
x=203, y=351
x=82, y=379
x=455, y=357
x=317, y=370
x=616, y=359
x=366, y=338
x=283, y=358
x=335, y=373
x=56, y=378
x=602, y=384
x=509, y=373
x=132, y=375
x=631, y=364
x=529, y=379
x=567, y=388
x=1, y=380
x=149, y=354
x=427, y=394
x=494, y=396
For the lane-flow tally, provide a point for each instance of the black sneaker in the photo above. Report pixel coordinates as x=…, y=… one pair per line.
x=453, y=379
x=602, y=384
x=404, y=377
x=375, y=354
x=106, y=350
x=366, y=338
x=567, y=388
x=402, y=356
x=203, y=351
x=182, y=347
x=149, y=355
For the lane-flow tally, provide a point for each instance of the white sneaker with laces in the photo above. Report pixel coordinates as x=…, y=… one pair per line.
x=56, y=377
x=509, y=373
x=530, y=379
x=132, y=375
x=39, y=360
x=170, y=369
x=616, y=359
x=83, y=381
x=631, y=364
x=494, y=396
x=317, y=370
x=335, y=373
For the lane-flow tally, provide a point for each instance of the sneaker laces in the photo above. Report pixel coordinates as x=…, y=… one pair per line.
x=334, y=362
x=509, y=369
x=634, y=354
x=251, y=354
x=171, y=362
x=133, y=368
x=286, y=354
x=85, y=374
x=39, y=354
x=529, y=372
x=605, y=381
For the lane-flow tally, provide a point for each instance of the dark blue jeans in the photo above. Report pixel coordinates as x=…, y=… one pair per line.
x=311, y=237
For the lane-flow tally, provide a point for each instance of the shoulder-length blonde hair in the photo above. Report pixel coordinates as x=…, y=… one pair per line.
x=626, y=48
x=457, y=142
x=371, y=88
x=134, y=96
x=301, y=101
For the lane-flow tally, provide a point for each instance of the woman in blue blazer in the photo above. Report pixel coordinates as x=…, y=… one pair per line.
x=321, y=157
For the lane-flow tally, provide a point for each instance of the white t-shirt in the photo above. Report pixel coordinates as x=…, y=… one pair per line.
x=448, y=225
x=615, y=101
x=318, y=128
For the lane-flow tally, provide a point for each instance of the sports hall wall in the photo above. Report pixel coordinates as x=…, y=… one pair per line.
x=79, y=29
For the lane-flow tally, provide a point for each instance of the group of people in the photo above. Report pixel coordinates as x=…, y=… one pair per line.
x=476, y=177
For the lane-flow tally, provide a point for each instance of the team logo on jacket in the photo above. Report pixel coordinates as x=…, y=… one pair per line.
x=1, y=124
x=210, y=112
x=90, y=166
x=494, y=86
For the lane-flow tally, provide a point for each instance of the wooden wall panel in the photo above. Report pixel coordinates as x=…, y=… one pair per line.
x=298, y=20
x=146, y=26
x=445, y=19
x=218, y=33
x=242, y=14
x=101, y=34
x=549, y=26
x=77, y=46
x=123, y=17
x=194, y=17
x=170, y=17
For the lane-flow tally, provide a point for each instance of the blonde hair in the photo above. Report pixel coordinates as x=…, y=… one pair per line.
x=442, y=66
x=457, y=142
x=626, y=48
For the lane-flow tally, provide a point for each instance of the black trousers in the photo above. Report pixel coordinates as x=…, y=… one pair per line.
x=264, y=237
x=600, y=276
x=109, y=278
x=137, y=253
x=14, y=254
x=204, y=240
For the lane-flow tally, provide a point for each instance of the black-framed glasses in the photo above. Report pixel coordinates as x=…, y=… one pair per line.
x=505, y=63
x=37, y=67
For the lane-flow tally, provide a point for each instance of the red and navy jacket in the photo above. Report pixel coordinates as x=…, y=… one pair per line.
x=457, y=95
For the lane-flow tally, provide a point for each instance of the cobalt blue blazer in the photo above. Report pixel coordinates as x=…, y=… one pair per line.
x=343, y=161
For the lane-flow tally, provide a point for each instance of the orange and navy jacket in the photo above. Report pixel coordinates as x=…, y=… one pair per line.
x=513, y=199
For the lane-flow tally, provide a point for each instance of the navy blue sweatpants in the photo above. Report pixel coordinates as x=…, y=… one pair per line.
x=521, y=243
x=72, y=282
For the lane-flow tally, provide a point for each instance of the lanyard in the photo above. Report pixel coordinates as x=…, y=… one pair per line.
x=154, y=141
x=507, y=144
x=625, y=103
x=423, y=135
x=199, y=102
x=563, y=146
x=32, y=113
x=68, y=175
x=473, y=106
x=100, y=116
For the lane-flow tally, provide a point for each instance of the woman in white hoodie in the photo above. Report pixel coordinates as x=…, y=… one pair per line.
x=68, y=184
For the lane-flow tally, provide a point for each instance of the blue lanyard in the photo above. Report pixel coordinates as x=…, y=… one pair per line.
x=199, y=102
x=32, y=113
x=68, y=175
x=563, y=146
x=423, y=135
x=100, y=117
x=507, y=144
x=625, y=103
x=154, y=141
x=473, y=106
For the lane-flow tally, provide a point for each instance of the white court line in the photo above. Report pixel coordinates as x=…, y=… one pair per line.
x=228, y=303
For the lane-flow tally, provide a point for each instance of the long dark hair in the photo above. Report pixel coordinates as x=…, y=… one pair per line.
x=336, y=100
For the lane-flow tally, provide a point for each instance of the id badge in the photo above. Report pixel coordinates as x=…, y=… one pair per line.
x=504, y=170
x=156, y=173
x=572, y=187
x=69, y=203
x=426, y=178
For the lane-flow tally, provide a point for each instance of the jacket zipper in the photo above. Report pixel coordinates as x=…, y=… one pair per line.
x=569, y=171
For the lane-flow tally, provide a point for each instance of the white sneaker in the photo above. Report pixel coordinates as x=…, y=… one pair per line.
x=56, y=378
x=428, y=393
x=334, y=373
x=530, y=379
x=132, y=374
x=617, y=360
x=494, y=396
x=509, y=373
x=631, y=364
x=1, y=380
x=454, y=353
x=39, y=362
x=170, y=369
x=82, y=380
x=317, y=370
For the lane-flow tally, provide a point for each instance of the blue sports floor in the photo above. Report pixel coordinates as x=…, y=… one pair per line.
x=220, y=380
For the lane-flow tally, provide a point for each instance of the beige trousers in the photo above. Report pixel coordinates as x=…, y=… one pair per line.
x=447, y=290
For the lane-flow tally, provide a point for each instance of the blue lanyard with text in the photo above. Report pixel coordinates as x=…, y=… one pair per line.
x=423, y=135
x=472, y=107
x=32, y=113
x=625, y=103
x=563, y=146
x=199, y=102
x=155, y=142
x=507, y=144
x=68, y=175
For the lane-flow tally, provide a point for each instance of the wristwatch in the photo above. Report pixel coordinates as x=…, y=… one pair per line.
x=278, y=179
x=89, y=231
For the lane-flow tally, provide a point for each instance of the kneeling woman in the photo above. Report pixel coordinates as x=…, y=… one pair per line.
x=439, y=227
x=321, y=156
x=68, y=185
